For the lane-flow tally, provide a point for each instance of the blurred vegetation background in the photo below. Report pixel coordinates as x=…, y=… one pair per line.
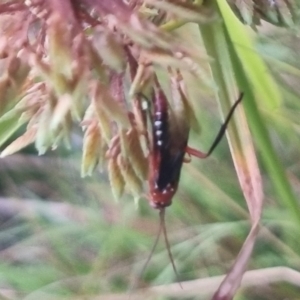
x=64, y=237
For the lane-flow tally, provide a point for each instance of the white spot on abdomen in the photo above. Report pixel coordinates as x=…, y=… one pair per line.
x=157, y=123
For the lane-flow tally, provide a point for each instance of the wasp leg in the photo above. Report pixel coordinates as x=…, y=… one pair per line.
x=196, y=153
x=220, y=134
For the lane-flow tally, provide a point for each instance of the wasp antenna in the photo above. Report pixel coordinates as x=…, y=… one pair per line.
x=135, y=283
x=153, y=249
x=164, y=229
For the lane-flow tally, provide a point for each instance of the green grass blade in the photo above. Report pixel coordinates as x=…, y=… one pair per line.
x=272, y=163
x=259, y=77
x=238, y=133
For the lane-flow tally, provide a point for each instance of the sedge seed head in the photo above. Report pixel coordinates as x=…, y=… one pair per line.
x=93, y=63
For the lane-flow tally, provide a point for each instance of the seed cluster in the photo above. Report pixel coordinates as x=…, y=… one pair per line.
x=89, y=62
x=278, y=12
x=93, y=62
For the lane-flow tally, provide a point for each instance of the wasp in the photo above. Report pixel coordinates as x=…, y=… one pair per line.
x=168, y=147
x=170, y=134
